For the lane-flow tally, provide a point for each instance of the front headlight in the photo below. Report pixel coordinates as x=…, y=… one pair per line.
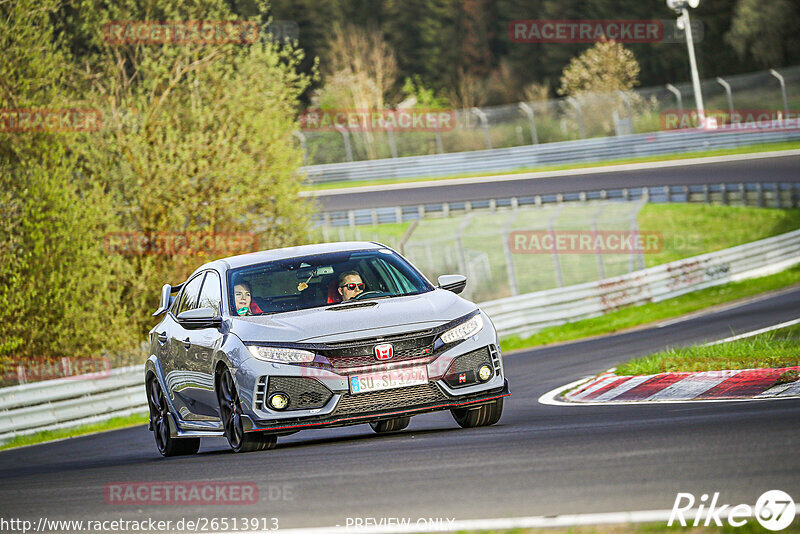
x=466, y=329
x=281, y=355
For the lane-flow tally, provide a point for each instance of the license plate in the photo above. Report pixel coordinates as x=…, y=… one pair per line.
x=380, y=380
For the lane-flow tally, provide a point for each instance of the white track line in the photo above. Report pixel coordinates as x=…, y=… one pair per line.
x=538, y=521
x=549, y=174
x=645, y=516
x=753, y=333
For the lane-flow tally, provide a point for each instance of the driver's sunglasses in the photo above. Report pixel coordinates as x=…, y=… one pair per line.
x=352, y=287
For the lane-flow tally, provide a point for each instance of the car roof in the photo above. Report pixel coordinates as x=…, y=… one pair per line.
x=262, y=256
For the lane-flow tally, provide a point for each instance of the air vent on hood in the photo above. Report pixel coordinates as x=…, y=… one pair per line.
x=343, y=307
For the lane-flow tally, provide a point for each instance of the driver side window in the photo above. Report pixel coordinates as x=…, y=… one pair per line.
x=188, y=299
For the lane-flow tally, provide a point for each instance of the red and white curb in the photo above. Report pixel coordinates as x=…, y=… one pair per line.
x=707, y=385
x=608, y=388
x=744, y=384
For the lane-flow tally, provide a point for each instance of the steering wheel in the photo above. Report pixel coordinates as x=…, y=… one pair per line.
x=365, y=293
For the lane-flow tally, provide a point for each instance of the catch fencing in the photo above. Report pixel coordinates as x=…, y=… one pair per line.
x=526, y=314
x=529, y=156
x=63, y=403
x=542, y=132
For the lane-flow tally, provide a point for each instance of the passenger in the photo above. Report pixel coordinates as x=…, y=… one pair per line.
x=243, y=299
x=350, y=285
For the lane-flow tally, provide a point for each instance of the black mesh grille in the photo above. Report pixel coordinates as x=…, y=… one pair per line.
x=374, y=401
x=361, y=353
x=304, y=393
x=471, y=361
x=464, y=369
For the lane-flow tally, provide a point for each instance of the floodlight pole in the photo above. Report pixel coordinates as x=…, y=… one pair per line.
x=698, y=93
x=681, y=7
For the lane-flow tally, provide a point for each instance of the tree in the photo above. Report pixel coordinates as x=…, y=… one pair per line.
x=767, y=30
x=57, y=296
x=594, y=80
x=604, y=68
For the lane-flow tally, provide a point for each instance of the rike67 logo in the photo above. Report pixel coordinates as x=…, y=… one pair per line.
x=774, y=510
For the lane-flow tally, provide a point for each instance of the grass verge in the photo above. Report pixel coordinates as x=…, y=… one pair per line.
x=648, y=313
x=49, y=435
x=767, y=147
x=778, y=348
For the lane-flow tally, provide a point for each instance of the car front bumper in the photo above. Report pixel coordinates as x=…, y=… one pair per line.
x=342, y=407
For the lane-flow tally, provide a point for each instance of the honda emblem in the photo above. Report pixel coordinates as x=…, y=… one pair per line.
x=384, y=351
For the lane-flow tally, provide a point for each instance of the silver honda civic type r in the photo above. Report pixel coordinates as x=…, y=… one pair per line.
x=261, y=345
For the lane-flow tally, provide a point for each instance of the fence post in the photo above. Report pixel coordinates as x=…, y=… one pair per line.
x=407, y=235
x=601, y=268
x=485, y=124
x=392, y=143
x=438, y=135
x=727, y=87
x=529, y=112
x=299, y=135
x=556, y=260
x=674, y=90
x=346, y=136
x=512, y=275
x=577, y=105
x=783, y=90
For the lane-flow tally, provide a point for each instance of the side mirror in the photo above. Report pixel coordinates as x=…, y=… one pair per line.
x=453, y=282
x=166, y=300
x=200, y=318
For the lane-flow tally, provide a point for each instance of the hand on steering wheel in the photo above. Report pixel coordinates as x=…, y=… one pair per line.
x=371, y=292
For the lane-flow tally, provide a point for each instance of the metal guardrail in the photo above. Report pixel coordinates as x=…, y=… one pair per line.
x=526, y=314
x=68, y=402
x=72, y=401
x=761, y=194
x=507, y=159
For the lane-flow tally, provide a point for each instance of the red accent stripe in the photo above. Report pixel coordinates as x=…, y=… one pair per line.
x=651, y=386
x=607, y=387
x=745, y=384
x=356, y=418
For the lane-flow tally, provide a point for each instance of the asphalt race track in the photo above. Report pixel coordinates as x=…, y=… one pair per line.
x=772, y=169
x=539, y=460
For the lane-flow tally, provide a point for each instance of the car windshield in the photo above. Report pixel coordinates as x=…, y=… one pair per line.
x=322, y=280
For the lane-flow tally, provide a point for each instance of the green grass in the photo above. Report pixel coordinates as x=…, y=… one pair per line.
x=767, y=147
x=50, y=435
x=687, y=230
x=778, y=348
x=641, y=315
x=693, y=229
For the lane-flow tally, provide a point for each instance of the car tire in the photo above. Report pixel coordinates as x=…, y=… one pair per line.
x=483, y=415
x=390, y=425
x=166, y=444
x=230, y=411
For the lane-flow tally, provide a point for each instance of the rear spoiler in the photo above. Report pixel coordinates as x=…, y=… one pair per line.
x=167, y=298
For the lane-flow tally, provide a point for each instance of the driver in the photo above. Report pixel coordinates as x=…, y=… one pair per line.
x=350, y=285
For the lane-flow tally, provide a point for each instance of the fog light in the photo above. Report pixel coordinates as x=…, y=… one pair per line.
x=278, y=401
x=484, y=373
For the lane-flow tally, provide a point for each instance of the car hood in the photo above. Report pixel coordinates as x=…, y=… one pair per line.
x=332, y=324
